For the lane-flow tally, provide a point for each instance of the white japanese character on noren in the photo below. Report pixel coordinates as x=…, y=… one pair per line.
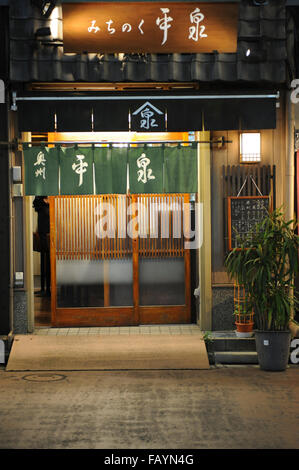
x=80, y=168
x=40, y=159
x=41, y=162
x=41, y=172
x=144, y=174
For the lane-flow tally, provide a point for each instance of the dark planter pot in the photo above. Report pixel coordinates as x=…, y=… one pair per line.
x=273, y=349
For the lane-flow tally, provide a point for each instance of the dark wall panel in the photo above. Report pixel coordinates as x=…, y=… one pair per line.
x=113, y=115
x=222, y=114
x=240, y=114
x=36, y=116
x=184, y=115
x=73, y=116
x=4, y=185
x=258, y=114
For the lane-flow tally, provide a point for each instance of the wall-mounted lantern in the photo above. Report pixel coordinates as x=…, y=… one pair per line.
x=250, y=147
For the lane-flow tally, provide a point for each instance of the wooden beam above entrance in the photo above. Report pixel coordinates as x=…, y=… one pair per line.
x=122, y=86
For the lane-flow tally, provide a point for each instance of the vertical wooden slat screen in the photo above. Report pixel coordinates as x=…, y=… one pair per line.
x=78, y=223
x=160, y=220
x=160, y=217
x=234, y=177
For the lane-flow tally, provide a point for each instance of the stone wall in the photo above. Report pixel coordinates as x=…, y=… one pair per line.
x=223, y=308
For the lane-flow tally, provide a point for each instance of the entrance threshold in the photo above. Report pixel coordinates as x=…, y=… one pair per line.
x=178, y=329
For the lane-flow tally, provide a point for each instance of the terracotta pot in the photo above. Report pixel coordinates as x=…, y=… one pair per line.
x=244, y=330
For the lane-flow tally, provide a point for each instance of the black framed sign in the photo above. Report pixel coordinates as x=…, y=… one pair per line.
x=244, y=212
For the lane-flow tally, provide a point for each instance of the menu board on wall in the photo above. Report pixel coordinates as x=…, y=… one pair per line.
x=244, y=213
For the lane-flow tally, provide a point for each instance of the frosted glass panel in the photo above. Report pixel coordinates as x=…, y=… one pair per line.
x=120, y=282
x=79, y=272
x=80, y=283
x=162, y=281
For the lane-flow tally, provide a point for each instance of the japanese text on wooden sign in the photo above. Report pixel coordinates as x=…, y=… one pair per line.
x=143, y=27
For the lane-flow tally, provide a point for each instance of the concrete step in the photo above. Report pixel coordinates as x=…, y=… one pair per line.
x=233, y=344
x=224, y=347
x=228, y=341
x=235, y=357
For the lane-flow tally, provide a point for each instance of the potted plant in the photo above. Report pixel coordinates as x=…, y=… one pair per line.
x=243, y=321
x=243, y=312
x=266, y=263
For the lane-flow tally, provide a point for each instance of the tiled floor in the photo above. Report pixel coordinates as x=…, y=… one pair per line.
x=42, y=308
x=125, y=330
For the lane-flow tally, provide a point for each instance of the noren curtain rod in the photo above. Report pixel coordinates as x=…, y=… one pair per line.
x=143, y=97
x=128, y=143
x=46, y=143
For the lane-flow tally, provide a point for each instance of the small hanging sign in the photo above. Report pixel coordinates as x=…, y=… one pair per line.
x=244, y=212
x=148, y=118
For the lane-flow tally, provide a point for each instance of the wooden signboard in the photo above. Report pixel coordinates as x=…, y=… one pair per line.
x=150, y=27
x=244, y=213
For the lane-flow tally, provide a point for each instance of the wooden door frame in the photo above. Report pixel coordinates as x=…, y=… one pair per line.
x=118, y=316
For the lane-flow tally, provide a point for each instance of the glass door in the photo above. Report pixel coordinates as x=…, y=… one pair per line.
x=164, y=263
x=119, y=260
x=92, y=271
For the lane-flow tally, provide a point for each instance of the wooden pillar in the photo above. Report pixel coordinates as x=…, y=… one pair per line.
x=290, y=159
x=53, y=258
x=290, y=166
x=187, y=255
x=106, y=283
x=135, y=260
x=28, y=252
x=204, y=258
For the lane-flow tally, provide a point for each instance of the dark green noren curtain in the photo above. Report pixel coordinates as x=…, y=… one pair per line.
x=76, y=170
x=41, y=171
x=151, y=170
x=180, y=169
x=146, y=169
x=110, y=166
